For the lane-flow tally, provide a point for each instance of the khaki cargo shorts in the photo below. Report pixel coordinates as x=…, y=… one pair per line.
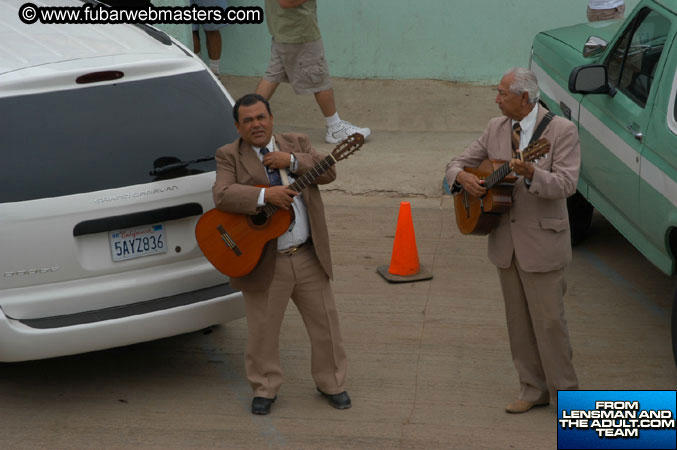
x=301, y=65
x=595, y=15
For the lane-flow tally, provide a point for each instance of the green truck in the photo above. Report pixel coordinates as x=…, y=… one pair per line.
x=617, y=80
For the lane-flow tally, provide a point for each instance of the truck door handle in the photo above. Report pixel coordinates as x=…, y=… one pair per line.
x=637, y=134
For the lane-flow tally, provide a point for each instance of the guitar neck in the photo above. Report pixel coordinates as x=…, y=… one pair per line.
x=304, y=180
x=529, y=154
x=497, y=175
x=311, y=175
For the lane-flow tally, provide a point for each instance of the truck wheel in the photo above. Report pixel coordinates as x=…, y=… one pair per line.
x=580, y=217
x=673, y=327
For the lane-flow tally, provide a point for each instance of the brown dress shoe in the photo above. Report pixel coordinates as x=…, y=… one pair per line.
x=522, y=406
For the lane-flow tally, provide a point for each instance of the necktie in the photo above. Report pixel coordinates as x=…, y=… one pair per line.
x=273, y=174
x=516, y=130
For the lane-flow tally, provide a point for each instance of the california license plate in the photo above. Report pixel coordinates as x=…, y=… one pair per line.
x=137, y=242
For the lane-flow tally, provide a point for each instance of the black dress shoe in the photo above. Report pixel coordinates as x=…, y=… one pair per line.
x=261, y=405
x=338, y=401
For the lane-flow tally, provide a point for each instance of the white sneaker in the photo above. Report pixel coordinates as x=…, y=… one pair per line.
x=215, y=68
x=342, y=130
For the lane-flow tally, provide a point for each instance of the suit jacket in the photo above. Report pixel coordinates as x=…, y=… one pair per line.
x=536, y=228
x=239, y=170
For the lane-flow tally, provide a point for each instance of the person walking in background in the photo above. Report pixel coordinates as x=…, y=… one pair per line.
x=605, y=10
x=297, y=57
x=212, y=33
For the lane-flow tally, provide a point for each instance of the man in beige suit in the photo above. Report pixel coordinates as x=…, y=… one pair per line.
x=297, y=265
x=531, y=244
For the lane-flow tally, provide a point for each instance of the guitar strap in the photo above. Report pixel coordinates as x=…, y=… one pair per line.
x=541, y=127
x=283, y=173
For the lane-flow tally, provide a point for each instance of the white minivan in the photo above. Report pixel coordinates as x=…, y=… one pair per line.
x=107, y=134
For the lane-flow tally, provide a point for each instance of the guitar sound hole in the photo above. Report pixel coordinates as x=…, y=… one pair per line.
x=259, y=219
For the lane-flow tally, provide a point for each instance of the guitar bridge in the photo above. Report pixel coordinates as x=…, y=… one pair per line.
x=229, y=240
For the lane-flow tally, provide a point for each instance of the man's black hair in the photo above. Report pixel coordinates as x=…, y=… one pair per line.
x=248, y=100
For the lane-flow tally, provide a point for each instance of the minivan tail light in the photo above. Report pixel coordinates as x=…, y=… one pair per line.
x=96, y=77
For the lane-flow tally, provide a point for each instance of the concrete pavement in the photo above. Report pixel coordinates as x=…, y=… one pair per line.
x=429, y=362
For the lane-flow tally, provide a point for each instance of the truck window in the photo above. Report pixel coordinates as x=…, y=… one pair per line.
x=633, y=61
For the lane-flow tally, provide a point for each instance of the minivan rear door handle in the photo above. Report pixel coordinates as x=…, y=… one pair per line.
x=137, y=219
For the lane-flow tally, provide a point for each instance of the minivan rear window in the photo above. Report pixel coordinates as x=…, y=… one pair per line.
x=102, y=137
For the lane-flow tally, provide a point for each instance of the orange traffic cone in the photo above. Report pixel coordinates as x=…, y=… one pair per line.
x=404, y=265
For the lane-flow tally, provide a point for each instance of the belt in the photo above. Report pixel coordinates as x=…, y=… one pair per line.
x=291, y=250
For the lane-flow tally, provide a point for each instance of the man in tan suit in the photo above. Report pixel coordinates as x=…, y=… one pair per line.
x=531, y=244
x=296, y=265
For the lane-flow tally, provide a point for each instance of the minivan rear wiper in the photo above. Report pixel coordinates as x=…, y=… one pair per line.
x=166, y=164
x=151, y=31
x=156, y=34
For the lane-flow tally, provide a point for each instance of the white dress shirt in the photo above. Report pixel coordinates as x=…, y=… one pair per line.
x=527, y=124
x=299, y=230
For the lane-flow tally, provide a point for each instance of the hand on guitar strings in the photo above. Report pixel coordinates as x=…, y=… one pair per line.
x=471, y=183
x=280, y=196
x=523, y=168
x=277, y=160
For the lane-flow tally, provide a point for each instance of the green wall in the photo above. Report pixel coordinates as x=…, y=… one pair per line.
x=457, y=40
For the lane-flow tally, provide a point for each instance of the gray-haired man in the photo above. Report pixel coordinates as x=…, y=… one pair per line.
x=531, y=244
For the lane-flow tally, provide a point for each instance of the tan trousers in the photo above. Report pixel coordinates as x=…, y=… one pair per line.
x=595, y=15
x=300, y=277
x=539, y=339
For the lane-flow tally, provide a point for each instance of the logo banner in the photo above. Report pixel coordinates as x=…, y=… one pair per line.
x=616, y=420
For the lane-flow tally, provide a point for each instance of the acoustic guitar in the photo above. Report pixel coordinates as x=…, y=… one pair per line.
x=480, y=215
x=234, y=243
